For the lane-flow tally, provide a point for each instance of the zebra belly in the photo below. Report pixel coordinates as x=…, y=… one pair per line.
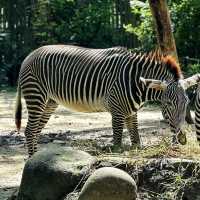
x=82, y=107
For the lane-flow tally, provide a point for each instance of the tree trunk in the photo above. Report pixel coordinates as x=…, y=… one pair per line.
x=165, y=38
x=162, y=23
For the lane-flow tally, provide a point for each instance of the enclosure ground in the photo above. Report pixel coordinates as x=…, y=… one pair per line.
x=88, y=131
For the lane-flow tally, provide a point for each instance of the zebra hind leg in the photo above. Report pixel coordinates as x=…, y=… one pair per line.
x=35, y=110
x=49, y=109
x=36, y=100
x=132, y=126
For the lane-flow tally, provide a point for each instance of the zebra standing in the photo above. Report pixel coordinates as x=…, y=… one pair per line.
x=94, y=80
x=197, y=113
x=196, y=101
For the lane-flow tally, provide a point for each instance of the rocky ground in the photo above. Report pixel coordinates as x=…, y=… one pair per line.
x=90, y=132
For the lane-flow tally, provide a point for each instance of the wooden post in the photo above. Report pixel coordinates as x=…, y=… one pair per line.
x=162, y=23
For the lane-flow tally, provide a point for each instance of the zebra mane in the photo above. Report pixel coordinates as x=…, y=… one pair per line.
x=171, y=63
x=168, y=61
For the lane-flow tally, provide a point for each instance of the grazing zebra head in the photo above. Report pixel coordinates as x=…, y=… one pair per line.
x=174, y=104
x=173, y=97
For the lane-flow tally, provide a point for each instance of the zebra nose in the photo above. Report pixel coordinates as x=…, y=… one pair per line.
x=181, y=137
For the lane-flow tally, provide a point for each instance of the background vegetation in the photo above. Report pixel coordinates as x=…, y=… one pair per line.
x=26, y=25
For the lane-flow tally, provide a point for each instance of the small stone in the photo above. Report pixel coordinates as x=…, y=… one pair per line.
x=109, y=183
x=4, y=141
x=59, y=142
x=44, y=139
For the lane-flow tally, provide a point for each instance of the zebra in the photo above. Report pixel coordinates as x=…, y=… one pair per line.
x=114, y=80
x=197, y=112
x=194, y=96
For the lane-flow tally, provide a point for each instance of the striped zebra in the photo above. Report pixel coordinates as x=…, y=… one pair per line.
x=94, y=80
x=194, y=96
x=197, y=113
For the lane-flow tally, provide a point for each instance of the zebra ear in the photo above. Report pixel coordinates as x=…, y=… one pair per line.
x=193, y=80
x=152, y=83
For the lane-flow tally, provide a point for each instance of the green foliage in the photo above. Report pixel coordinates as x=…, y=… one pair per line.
x=99, y=23
x=185, y=15
x=144, y=28
x=66, y=21
x=40, y=22
x=51, y=21
x=90, y=24
x=193, y=69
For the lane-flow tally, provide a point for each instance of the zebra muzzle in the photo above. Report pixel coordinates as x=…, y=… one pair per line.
x=181, y=137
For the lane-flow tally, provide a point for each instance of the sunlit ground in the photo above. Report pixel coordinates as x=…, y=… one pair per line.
x=87, y=130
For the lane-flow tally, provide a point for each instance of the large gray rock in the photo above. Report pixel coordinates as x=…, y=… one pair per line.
x=109, y=183
x=53, y=173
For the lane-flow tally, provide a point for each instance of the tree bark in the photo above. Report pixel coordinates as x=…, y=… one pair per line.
x=165, y=38
x=161, y=16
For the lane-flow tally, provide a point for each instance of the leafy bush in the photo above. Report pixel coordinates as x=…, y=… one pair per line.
x=185, y=15
x=51, y=21
x=144, y=29
x=69, y=21
x=193, y=69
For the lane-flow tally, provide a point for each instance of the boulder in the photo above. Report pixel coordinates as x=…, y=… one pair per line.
x=53, y=173
x=109, y=183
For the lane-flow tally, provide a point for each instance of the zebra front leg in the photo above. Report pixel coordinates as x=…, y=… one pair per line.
x=117, y=126
x=132, y=126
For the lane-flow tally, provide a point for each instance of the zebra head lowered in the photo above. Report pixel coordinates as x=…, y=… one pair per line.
x=174, y=101
x=172, y=95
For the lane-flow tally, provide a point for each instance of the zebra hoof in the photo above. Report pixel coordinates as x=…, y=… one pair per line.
x=181, y=138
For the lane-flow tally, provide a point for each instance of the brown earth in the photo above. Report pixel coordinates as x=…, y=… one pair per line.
x=69, y=128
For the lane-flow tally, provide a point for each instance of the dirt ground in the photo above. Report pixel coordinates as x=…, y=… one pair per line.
x=75, y=127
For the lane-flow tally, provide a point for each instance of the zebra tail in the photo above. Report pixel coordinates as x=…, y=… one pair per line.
x=18, y=109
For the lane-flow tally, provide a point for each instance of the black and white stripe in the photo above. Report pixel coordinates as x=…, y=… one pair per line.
x=94, y=80
x=197, y=113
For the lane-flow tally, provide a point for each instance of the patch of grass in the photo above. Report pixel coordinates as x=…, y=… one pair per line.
x=179, y=185
x=162, y=150
x=89, y=146
x=153, y=151
x=192, y=149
